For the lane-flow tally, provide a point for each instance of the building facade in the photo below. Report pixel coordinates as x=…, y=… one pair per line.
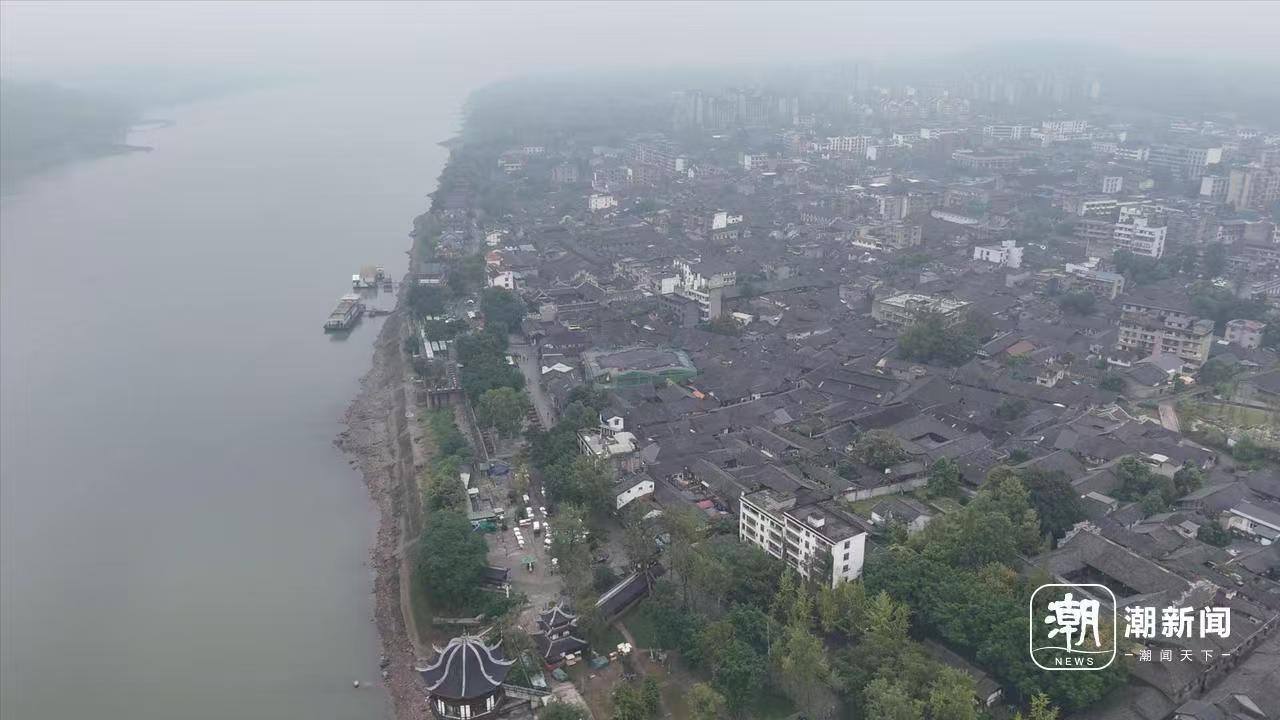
x=1156, y=330
x=905, y=308
x=1006, y=253
x=816, y=539
x=1245, y=333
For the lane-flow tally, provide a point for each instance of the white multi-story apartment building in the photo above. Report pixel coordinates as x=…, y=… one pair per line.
x=1052, y=131
x=816, y=538
x=1184, y=160
x=600, y=201
x=1006, y=253
x=1006, y=132
x=1111, y=184
x=1134, y=233
x=702, y=281
x=847, y=144
x=905, y=308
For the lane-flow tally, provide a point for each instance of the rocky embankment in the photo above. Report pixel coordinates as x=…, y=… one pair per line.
x=377, y=439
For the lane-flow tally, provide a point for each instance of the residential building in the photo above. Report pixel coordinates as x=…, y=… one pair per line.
x=703, y=281
x=1245, y=333
x=1092, y=206
x=1153, y=327
x=1054, y=131
x=1135, y=234
x=1187, y=161
x=630, y=487
x=847, y=145
x=601, y=201
x=1255, y=521
x=1111, y=184
x=1104, y=285
x=616, y=448
x=816, y=538
x=1252, y=188
x=1214, y=187
x=904, y=309
x=1006, y=253
x=1006, y=133
x=971, y=160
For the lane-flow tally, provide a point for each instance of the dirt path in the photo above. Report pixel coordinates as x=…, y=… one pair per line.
x=373, y=438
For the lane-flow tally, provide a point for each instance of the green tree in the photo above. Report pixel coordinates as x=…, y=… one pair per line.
x=1248, y=451
x=603, y=578
x=1215, y=259
x=705, y=703
x=944, y=478
x=929, y=339
x=1077, y=303
x=502, y=307
x=1215, y=371
x=426, y=301
x=889, y=700
x=584, y=481
x=503, y=409
x=451, y=560
x=1112, y=383
x=1213, y=534
x=1040, y=709
x=639, y=538
x=1187, y=480
x=739, y=674
x=561, y=710
x=1055, y=500
x=804, y=669
x=628, y=704
x=1137, y=481
x=951, y=696
x=651, y=696
x=1011, y=408
x=879, y=449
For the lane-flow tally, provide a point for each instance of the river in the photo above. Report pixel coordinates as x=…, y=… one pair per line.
x=181, y=538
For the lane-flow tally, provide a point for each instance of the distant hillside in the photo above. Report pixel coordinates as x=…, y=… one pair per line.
x=42, y=125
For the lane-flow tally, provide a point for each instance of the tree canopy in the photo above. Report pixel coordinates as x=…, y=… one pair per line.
x=502, y=409
x=930, y=340
x=451, y=559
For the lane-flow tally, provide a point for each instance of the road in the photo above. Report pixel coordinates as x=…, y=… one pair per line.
x=1169, y=417
x=527, y=358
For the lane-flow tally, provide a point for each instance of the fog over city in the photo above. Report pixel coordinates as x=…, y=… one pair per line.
x=639, y=360
x=485, y=40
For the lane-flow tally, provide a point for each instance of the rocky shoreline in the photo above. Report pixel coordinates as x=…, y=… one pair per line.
x=376, y=438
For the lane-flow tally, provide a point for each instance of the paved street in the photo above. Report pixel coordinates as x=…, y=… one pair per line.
x=526, y=358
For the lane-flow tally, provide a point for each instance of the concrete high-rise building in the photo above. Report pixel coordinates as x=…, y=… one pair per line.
x=1187, y=161
x=1214, y=187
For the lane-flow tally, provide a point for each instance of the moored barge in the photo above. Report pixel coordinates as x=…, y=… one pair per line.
x=345, y=315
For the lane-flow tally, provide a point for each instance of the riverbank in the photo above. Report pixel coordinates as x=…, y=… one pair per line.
x=377, y=441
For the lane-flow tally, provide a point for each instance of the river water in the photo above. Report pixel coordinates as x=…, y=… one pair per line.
x=181, y=539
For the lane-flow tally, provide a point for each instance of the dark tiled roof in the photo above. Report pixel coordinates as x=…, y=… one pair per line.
x=466, y=669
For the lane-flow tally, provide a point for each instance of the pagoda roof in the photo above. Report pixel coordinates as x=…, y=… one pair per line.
x=466, y=669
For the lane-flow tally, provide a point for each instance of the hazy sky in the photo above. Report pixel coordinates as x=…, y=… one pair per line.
x=485, y=40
